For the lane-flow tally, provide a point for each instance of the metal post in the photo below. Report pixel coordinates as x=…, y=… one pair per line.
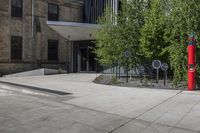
x=69, y=57
x=156, y=75
x=33, y=6
x=165, y=78
x=127, y=71
x=116, y=70
x=119, y=71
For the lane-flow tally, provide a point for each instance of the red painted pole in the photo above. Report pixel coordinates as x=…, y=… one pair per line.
x=191, y=63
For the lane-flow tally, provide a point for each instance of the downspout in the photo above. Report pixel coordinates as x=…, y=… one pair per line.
x=33, y=39
x=33, y=8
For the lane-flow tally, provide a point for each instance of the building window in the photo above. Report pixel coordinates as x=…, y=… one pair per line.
x=16, y=8
x=53, y=12
x=53, y=50
x=16, y=48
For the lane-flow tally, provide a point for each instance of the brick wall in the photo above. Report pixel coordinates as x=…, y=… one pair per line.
x=23, y=27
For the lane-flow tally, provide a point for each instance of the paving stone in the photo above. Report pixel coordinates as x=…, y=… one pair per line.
x=80, y=128
x=191, y=120
x=97, y=109
x=178, y=130
x=139, y=126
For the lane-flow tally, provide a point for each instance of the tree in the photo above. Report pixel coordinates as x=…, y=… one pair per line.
x=106, y=39
x=115, y=37
x=154, y=29
x=184, y=20
x=165, y=32
x=152, y=33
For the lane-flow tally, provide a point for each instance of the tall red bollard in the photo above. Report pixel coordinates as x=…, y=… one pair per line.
x=191, y=63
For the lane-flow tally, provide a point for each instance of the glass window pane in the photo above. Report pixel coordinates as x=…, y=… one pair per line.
x=16, y=48
x=16, y=10
x=52, y=49
x=53, y=12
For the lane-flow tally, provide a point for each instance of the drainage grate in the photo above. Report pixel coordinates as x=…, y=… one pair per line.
x=37, y=88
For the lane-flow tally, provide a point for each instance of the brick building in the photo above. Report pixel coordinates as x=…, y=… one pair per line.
x=24, y=45
x=27, y=42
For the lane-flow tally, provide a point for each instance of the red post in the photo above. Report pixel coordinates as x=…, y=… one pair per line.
x=191, y=63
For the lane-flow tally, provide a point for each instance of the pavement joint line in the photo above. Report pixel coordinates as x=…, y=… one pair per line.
x=122, y=125
x=154, y=121
x=173, y=127
x=186, y=115
x=37, y=88
x=131, y=119
x=63, y=110
x=146, y=112
x=158, y=104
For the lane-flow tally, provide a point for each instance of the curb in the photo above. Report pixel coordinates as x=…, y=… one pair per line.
x=37, y=88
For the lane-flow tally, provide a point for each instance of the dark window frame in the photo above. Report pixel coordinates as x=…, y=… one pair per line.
x=53, y=50
x=17, y=8
x=16, y=48
x=53, y=16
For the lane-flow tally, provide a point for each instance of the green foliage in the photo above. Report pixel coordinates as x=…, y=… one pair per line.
x=113, y=80
x=152, y=38
x=106, y=46
x=164, y=34
x=116, y=37
x=150, y=29
x=183, y=20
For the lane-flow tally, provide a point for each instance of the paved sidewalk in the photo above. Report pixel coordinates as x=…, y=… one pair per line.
x=94, y=108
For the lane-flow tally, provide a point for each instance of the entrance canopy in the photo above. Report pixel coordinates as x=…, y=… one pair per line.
x=74, y=31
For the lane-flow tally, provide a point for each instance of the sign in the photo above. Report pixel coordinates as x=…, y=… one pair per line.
x=126, y=53
x=156, y=64
x=164, y=67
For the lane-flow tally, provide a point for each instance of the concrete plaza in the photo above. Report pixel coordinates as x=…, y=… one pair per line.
x=94, y=108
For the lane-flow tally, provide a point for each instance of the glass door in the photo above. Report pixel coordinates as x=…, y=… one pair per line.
x=92, y=61
x=84, y=58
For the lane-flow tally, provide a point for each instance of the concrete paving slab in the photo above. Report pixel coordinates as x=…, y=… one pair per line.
x=125, y=102
x=80, y=128
x=174, y=115
x=157, y=112
x=173, y=110
x=38, y=115
x=72, y=83
x=191, y=120
x=139, y=126
x=135, y=126
x=196, y=92
x=96, y=108
x=48, y=124
x=178, y=130
x=99, y=120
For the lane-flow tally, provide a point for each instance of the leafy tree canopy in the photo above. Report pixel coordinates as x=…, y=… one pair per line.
x=154, y=29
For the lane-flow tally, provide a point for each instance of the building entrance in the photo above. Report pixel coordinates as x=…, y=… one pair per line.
x=85, y=57
x=87, y=60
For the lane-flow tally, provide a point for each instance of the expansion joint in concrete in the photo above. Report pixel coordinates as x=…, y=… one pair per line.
x=145, y=112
